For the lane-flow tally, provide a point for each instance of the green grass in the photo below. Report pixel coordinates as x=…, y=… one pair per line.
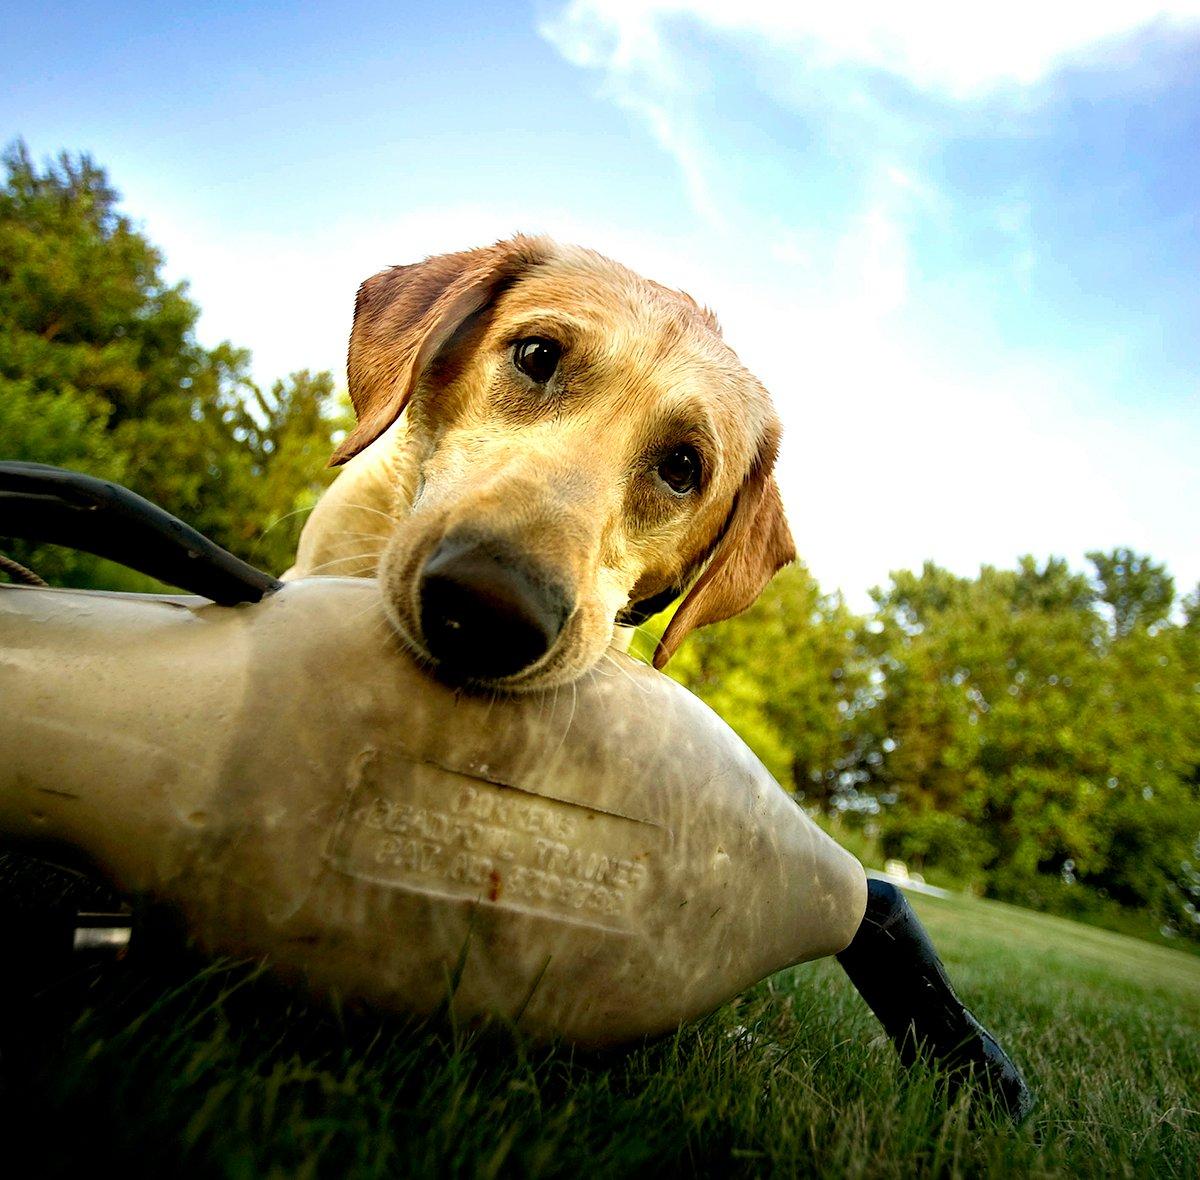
x=220, y=1073
x=1075, y=902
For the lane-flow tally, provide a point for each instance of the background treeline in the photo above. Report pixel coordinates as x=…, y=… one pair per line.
x=1033, y=734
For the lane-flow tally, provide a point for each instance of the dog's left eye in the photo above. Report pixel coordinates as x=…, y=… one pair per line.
x=680, y=470
x=537, y=357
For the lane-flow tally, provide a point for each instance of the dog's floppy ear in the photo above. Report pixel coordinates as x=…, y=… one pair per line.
x=404, y=316
x=755, y=544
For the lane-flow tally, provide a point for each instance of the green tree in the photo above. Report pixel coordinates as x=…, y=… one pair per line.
x=1064, y=750
x=100, y=370
x=285, y=436
x=1139, y=591
x=1191, y=610
x=790, y=676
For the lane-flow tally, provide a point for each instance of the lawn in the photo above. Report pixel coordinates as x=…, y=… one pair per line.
x=220, y=1073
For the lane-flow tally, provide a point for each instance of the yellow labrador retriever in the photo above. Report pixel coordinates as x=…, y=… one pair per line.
x=548, y=446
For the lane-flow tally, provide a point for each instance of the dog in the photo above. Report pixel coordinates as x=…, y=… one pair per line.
x=549, y=449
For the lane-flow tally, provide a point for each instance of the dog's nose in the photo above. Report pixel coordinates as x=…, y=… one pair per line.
x=486, y=611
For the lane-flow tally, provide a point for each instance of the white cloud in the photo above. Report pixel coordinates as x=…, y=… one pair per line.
x=893, y=455
x=959, y=49
x=875, y=251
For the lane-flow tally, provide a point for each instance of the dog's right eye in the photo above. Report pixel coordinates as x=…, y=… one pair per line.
x=537, y=357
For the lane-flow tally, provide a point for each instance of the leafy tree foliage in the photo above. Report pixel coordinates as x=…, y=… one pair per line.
x=1138, y=591
x=792, y=672
x=100, y=370
x=1068, y=745
x=1034, y=732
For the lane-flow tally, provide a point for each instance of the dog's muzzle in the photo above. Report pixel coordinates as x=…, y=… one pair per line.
x=487, y=612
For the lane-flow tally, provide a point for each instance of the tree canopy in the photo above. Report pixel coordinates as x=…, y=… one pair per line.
x=100, y=370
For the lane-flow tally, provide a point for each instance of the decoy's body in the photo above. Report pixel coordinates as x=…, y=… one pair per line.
x=600, y=862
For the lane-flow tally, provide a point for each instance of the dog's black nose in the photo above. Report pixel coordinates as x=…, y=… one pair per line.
x=486, y=611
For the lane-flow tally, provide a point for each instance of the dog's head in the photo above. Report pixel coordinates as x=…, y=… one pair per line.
x=581, y=448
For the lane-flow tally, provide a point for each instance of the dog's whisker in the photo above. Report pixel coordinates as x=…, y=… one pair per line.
x=348, y=557
x=644, y=632
x=493, y=696
x=595, y=672
x=609, y=703
x=608, y=657
x=643, y=688
x=285, y=516
x=377, y=511
x=371, y=607
x=341, y=560
x=374, y=536
x=570, y=717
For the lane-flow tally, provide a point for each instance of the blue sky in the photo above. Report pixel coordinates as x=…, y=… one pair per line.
x=959, y=245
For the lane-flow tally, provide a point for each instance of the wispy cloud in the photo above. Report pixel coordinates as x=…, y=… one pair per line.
x=643, y=76
x=948, y=51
